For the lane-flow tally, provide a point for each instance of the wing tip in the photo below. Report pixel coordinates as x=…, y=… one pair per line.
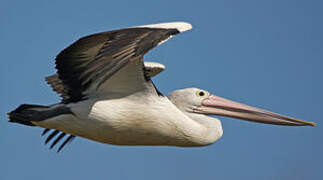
x=180, y=26
x=154, y=65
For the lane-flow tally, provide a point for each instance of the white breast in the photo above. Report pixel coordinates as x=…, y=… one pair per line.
x=130, y=120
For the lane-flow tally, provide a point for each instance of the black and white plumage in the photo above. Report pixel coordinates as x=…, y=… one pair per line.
x=108, y=96
x=91, y=61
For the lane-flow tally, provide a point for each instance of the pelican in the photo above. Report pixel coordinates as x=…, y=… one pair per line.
x=108, y=96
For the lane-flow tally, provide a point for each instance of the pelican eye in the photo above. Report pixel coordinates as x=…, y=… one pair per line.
x=200, y=93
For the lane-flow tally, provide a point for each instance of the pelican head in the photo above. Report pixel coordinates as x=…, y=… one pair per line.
x=194, y=100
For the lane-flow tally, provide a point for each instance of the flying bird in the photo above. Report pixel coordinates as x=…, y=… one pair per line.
x=108, y=96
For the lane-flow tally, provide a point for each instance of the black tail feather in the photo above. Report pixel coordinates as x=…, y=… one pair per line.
x=53, y=134
x=45, y=131
x=26, y=113
x=57, y=138
x=68, y=140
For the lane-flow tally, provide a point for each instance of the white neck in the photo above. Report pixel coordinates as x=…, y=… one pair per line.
x=180, y=127
x=201, y=129
x=211, y=129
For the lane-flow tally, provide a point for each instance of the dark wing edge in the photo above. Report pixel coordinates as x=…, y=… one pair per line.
x=57, y=85
x=151, y=69
x=92, y=60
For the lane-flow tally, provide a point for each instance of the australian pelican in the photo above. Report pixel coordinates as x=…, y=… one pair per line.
x=108, y=96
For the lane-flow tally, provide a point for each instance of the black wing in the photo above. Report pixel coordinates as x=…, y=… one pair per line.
x=151, y=69
x=89, y=62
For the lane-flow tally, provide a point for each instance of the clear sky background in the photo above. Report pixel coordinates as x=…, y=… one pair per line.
x=266, y=53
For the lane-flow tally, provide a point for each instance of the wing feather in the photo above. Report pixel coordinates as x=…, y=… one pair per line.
x=87, y=64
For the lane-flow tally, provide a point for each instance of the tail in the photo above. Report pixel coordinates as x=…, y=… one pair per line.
x=26, y=113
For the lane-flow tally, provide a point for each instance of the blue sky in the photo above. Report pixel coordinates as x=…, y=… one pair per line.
x=264, y=53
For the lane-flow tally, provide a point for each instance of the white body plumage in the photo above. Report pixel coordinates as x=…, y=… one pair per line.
x=123, y=122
